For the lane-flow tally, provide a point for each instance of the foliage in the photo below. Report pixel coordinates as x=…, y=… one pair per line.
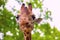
x=2, y=2
x=41, y=32
x=47, y=33
x=8, y=23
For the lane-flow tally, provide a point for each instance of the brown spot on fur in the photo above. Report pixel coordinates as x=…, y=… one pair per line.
x=27, y=38
x=24, y=34
x=27, y=32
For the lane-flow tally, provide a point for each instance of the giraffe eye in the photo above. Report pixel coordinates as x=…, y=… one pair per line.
x=17, y=17
x=33, y=16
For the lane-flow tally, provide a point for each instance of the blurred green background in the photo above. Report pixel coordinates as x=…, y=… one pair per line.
x=41, y=32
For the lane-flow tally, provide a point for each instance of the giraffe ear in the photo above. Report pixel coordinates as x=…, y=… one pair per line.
x=38, y=20
x=30, y=6
x=22, y=7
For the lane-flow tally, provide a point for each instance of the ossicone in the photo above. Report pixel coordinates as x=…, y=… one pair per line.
x=22, y=7
x=30, y=6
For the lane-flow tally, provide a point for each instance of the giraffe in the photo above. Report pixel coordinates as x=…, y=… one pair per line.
x=26, y=20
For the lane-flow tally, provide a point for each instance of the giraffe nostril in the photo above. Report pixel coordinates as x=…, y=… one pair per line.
x=27, y=23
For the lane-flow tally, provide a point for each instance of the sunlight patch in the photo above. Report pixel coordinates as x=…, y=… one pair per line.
x=9, y=33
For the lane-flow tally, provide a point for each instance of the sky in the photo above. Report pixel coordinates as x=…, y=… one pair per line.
x=53, y=5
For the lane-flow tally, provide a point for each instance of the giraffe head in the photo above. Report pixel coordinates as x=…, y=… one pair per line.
x=25, y=19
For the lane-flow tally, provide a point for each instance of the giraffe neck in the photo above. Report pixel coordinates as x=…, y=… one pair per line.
x=27, y=35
